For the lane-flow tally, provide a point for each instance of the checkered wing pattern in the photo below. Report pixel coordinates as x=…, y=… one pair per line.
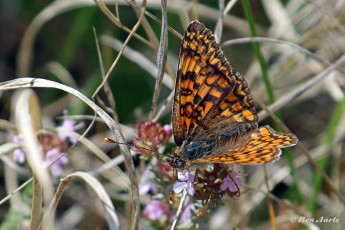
x=263, y=146
x=214, y=118
x=204, y=80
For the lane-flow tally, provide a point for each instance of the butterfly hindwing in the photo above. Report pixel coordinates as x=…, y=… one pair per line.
x=263, y=146
x=243, y=157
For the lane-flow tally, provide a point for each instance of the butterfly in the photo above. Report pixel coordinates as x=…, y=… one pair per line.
x=214, y=119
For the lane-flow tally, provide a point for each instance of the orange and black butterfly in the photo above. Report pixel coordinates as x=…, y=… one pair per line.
x=214, y=119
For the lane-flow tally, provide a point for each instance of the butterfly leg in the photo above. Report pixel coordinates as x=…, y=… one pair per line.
x=171, y=192
x=196, y=177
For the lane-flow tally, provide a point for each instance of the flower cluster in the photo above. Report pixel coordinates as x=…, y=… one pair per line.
x=209, y=185
x=156, y=209
x=205, y=186
x=151, y=135
x=52, y=146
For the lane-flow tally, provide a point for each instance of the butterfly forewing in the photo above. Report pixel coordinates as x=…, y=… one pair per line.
x=204, y=79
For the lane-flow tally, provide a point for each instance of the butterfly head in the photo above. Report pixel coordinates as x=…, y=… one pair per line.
x=176, y=160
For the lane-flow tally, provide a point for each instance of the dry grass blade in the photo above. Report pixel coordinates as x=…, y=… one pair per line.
x=117, y=22
x=229, y=6
x=61, y=73
x=15, y=167
x=11, y=182
x=9, y=126
x=219, y=26
x=36, y=82
x=277, y=41
x=8, y=147
x=11, y=171
x=28, y=120
x=123, y=181
x=161, y=59
x=97, y=187
x=304, y=87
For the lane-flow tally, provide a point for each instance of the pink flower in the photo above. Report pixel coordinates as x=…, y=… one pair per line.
x=228, y=183
x=154, y=210
x=186, y=180
x=167, y=128
x=56, y=168
x=68, y=125
x=18, y=154
x=153, y=134
x=147, y=185
x=186, y=215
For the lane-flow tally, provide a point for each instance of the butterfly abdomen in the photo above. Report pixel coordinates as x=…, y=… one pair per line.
x=198, y=149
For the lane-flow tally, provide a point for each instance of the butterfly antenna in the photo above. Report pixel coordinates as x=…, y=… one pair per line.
x=130, y=145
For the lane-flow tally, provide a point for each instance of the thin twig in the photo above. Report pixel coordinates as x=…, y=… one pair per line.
x=107, y=90
x=134, y=29
x=179, y=210
x=276, y=41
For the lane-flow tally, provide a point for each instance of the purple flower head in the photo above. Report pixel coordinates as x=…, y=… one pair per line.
x=186, y=215
x=67, y=125
x=56, y=168
x=154, y=210
x=147, y=185
x=229, y=182
x=186, y=181
x=70, y=126
x=18, y=154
